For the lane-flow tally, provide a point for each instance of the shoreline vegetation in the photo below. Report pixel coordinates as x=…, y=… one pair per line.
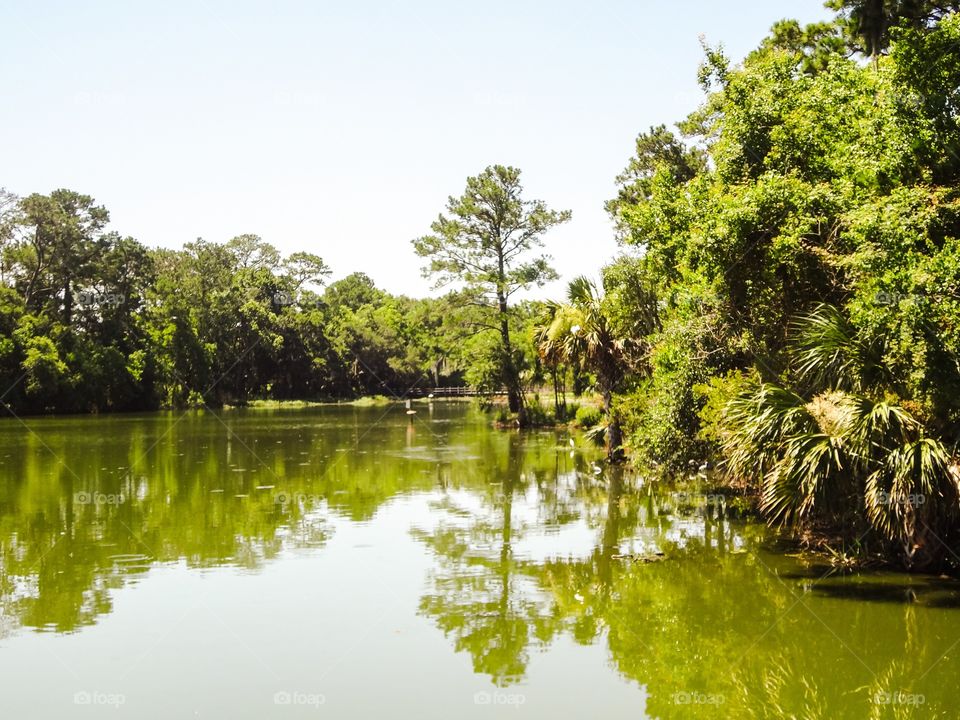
x=573, y=417
x=784, y=311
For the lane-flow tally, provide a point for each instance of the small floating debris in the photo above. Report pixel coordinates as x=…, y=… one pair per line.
x=241, y=495
x=635, y=557
x=218, y=490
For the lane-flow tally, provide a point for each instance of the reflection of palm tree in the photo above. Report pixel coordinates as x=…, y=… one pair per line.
x=582, y=589
x=704, y=620
x=610, y=543
x=781, y=690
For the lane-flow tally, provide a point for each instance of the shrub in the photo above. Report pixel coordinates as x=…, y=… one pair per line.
x=715, y=395
x=661, y=417
x=588, y=416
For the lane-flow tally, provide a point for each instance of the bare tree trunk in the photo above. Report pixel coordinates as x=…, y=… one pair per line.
x=614, y=431
x=556, y=393
x=67, y=304
x=510, y=372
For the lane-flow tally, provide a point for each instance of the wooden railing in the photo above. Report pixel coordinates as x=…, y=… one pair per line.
x=442, y=392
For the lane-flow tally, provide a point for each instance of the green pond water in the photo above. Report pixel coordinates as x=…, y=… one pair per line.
x=351, y=562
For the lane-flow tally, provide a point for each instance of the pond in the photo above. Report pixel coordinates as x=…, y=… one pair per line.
x=349, y=562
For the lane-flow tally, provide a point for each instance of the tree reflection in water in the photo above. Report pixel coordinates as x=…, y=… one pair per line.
x=718, y=619
x=527, y=540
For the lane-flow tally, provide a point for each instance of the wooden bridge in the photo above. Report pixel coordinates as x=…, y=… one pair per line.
x=446, y=392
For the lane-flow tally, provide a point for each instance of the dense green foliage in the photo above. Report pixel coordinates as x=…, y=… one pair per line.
x=802, y=232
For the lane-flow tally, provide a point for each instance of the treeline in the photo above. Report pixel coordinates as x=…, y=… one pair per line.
x=94, y=321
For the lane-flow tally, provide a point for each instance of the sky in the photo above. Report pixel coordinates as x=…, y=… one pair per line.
x=341, y=128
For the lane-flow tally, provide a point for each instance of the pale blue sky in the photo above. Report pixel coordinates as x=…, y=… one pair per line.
x=341, y=128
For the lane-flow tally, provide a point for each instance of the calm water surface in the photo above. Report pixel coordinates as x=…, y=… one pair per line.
x=349, y=562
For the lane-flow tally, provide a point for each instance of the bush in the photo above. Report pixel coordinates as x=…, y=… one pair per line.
x=660, y=418
x=715, y=395
x=537, y=414
x=568, y=412
x=588, y=416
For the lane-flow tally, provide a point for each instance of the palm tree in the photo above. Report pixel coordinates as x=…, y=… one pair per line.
x=844, y=448
x=583, y=331
x=552, y=355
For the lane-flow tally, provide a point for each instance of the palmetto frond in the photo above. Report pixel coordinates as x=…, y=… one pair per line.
x=821, y=454
x=875, y=427
x=829, y=355
x=912, y=475
x=581, y=292
x=758, y=421
x=803, y=475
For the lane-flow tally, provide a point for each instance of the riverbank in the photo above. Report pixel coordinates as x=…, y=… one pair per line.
x=364, y=401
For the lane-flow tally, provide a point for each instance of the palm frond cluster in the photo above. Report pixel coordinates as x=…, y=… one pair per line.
x=842, y=448
x=583, y=333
